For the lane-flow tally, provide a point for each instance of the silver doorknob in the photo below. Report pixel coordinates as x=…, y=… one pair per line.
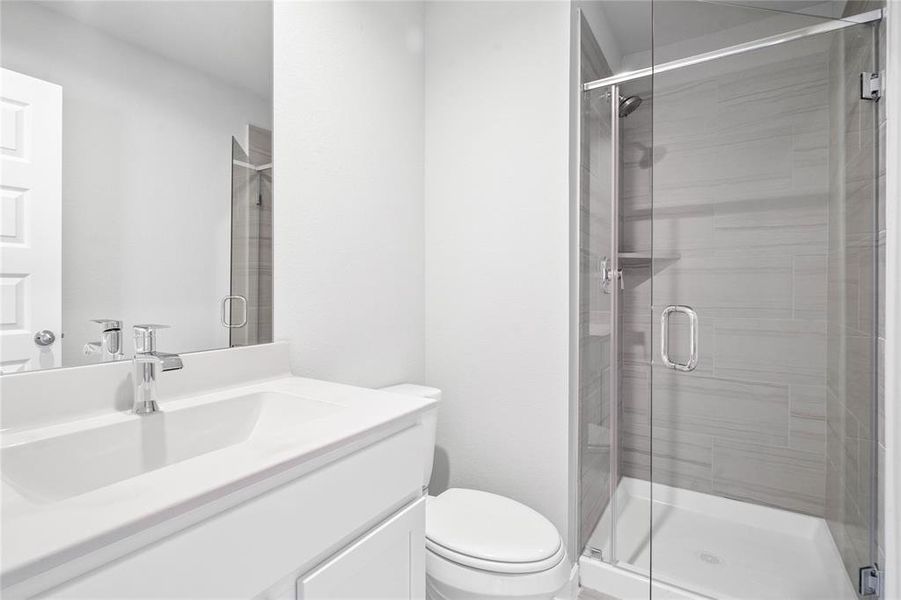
x=44, y=337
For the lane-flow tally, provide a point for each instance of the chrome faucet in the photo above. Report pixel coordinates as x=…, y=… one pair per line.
x=148, y=363
x=110, y=345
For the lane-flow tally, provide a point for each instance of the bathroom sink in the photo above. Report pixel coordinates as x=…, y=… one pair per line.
x=83, y=456
x=85, y=481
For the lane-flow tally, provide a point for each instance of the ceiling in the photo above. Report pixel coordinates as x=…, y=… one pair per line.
x=230, y=40
x=676, y=21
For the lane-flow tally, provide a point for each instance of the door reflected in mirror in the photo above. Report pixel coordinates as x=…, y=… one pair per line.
x=136, y=177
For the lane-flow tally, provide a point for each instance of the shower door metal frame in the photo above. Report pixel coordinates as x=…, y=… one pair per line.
x=616, y=279
x=774, y=40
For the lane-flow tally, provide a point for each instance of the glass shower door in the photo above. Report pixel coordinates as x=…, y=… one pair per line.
x=763, y=302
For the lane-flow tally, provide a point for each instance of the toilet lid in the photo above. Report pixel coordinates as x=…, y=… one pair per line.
x=492, y=532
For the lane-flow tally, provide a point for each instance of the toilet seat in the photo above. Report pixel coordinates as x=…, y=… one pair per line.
x=447, y=580
x=491, y=533
x=495, y=566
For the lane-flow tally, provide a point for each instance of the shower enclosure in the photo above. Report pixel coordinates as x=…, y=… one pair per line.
x=247, y=310
x=730, y=335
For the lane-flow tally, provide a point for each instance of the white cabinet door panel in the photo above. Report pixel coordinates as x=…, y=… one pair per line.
x=388, y=562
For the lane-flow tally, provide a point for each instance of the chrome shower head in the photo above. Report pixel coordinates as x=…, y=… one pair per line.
x=628, y=105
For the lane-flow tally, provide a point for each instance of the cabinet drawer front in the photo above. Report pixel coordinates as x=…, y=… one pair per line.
x=243, y=551
x=388, y=562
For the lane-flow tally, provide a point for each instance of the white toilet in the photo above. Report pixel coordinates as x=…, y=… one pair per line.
x=482, y=545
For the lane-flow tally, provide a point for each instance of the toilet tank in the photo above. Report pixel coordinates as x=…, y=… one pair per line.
x=429, y=420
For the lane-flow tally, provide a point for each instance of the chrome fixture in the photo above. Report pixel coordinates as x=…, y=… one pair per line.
x=870, y=86
x=608, y=275
x=148, y=362
x=629, y=105
x=110, y=345
x=692, y=337
x=44, y=337
x=869, y=581
x=227, y=304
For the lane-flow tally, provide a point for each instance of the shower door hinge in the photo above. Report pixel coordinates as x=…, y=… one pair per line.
x=870, y=581
x=595, y=553
x=870, y=86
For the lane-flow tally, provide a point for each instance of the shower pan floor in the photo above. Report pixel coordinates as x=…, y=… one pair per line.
x=716, y=547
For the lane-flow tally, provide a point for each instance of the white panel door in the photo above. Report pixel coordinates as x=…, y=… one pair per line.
x=31, y=121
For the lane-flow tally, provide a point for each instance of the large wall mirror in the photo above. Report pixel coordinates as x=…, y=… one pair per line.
x=136, y=177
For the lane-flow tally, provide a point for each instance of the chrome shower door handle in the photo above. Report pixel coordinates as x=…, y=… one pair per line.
x=226, y=312
x=692, y=337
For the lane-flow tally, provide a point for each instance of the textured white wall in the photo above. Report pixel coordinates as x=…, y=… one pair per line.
x=488, y=308
x=497, y=246
x=348, y=233
x=146, y=179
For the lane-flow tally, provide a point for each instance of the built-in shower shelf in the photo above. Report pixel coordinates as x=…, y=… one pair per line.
x=638, y=264
x=643, y=259
x=599, y=329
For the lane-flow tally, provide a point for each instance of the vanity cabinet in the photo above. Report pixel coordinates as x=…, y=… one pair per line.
x=352, y=528
x=388, y=562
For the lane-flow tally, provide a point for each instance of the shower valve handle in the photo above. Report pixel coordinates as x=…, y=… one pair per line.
x=608, y=275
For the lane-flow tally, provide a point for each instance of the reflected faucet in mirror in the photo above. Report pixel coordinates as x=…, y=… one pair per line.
x=148, y=363
x=109, y=348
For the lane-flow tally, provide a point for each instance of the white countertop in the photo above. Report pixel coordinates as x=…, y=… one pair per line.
x=38, y=535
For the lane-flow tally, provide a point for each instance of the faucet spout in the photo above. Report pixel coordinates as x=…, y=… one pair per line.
x=148, y=363
x=169, y=362
x=109, y=347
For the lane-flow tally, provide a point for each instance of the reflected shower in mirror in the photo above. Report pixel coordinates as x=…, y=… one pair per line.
x=136, y=177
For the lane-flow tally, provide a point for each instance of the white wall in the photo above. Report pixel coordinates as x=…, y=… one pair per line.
x=489, y=306
x=146, y=179
x=348, y=230
x=497, y=245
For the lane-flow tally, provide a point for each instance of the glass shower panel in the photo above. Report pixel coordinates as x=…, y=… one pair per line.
x=244, y=249
x=617, y=327
x=248, y=308
x=597, y=469
x=688, y=28
x=856, y=234
x=764, y=228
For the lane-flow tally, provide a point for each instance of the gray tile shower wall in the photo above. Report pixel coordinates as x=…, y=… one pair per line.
x=741, y=216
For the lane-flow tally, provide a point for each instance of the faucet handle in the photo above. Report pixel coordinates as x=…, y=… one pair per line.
x=150, y=327
x=145, y=336
x=108, y=324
